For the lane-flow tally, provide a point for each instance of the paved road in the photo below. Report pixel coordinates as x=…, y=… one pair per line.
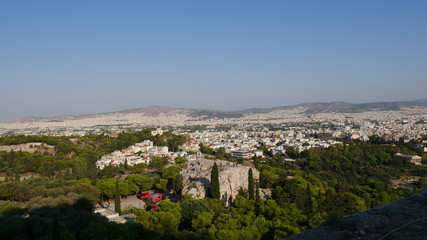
x=133, y=201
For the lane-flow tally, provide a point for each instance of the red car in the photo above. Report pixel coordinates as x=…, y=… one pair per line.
x=152, y=196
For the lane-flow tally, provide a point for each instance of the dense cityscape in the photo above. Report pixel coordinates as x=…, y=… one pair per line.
x=407, y=123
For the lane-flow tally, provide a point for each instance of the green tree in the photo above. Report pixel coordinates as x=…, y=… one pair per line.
x=126, y=165
x=162, y=185
x=180, y=160
x=107, y=187
x=190, y=208
x=165, y=220
x=172, y=145
x=158, y=163
x=220, y=153
x=143, y=183
x=22, y=192
x=17, y=177
x=267, y=177
x=80, y=167
x=347, y=203
x=117, y=198
x=202, y=221
x=251, y=185
x=147, y=184
x=206, y=150
x=214, y=187
x=172, y=174
x=176, y=183
x=138, y=168
x=16, y=170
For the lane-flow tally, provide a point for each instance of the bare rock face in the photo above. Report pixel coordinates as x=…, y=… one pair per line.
x=232, y=177
x=265, y=193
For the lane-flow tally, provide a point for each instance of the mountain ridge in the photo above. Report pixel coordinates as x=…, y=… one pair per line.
x=342, y=107
x=309, y=108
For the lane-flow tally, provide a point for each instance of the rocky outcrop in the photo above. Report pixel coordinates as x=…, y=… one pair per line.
x=232, y=177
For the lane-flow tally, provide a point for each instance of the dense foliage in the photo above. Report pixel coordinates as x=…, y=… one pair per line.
x=339, y=181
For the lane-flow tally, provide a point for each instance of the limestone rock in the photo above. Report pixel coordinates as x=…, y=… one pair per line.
x=232, y=176
x=265, y=193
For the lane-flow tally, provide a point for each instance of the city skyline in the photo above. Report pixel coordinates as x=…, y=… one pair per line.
x=82, y=58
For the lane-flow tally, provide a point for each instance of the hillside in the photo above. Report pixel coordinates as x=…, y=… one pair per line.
x=309, y=108
x=156, y=110
x=342, y=107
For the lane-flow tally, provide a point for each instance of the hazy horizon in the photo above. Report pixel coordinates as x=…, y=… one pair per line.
x=83, y=57
x=190, y=108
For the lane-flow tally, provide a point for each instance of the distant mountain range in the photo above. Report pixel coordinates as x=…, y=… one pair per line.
x=343, y=107
x=310, y=108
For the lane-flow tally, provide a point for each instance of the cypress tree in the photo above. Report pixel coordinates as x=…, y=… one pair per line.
x=257, y=196
x=117, y=198
x=126, y=165
x=92, y=172
x=17, y=176
x=214, y=188
x=16, y=171
x=251, y=185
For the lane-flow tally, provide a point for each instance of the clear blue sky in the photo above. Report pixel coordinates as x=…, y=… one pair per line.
x=79, y=57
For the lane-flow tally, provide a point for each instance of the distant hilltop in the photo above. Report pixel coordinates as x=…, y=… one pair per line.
x=154, y=110
x=343, y=107
x=308, y=108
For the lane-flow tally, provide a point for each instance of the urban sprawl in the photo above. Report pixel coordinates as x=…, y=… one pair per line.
x=240, y=137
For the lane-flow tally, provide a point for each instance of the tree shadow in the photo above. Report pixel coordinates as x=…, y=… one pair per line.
x=76, y=221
